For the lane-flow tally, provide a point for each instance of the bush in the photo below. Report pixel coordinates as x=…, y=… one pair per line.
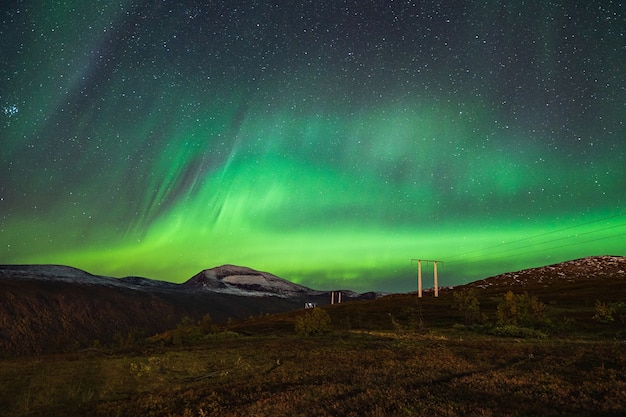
x=412, y=317
x=520, y=310
x=314, y=322
x=189, y=331
x=610, y=312
x=206, y=325
x=466, y=301
x=511, y=330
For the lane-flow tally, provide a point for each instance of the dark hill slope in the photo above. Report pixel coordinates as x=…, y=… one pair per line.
x=41, y=313
x=569, y=290
x=47, y=308
x=591, y=272
x=572, y=284
x=56, y=308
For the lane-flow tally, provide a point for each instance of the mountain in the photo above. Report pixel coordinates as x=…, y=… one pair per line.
x=142, y=282
x=575, y=286
x=68, y=274
x=51, y=272
x=47, y=308
x=56, y=307
x=231, y=279
x=225, y=279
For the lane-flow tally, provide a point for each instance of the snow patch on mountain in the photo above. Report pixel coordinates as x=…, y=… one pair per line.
x=149, y=283
x=225, y=279
x=239, y=280
x=68, y=274
x=54, y=273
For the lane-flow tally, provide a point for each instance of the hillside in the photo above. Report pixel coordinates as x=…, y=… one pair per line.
x=590, y=272
x=394, y=356
x=56, y=308
x=46, y=308
x=570, y=291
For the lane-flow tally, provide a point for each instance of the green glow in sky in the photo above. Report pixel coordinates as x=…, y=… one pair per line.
x=162, y=141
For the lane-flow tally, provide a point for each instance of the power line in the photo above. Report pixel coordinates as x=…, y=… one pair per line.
x=556, y=247
x=550, y=241
x=535, y=236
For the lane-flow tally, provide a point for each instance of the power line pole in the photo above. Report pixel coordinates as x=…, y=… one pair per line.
x=332, y=297
x=419, y=275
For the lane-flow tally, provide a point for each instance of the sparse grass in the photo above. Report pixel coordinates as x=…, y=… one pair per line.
x=398, y=356
x=347, y=373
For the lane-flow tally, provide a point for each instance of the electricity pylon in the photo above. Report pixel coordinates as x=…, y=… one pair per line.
x=419, y=275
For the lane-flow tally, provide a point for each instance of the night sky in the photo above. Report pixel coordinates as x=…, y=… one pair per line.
x=327, y=142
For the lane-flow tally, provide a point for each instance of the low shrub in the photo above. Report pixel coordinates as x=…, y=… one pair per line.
x=520, y=310
x=466, y=301
x=511, y=330
x=610, y=312
x=314, y=322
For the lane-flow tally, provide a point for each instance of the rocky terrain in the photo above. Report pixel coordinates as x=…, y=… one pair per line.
x=593, y=268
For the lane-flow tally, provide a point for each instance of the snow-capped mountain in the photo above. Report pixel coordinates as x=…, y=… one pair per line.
x=225, y=279
x=50, y=307
x=59, y=273
x=232, y=279
x=68, y=274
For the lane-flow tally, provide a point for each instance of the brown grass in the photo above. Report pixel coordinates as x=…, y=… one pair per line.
x=346, y=374
x=392, y=357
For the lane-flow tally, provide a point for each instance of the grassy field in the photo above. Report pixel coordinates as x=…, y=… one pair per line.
x=392, y=357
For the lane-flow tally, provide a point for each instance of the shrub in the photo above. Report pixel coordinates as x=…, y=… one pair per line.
x=520, y=310
x=397, y=327
x=412, y=317
x=610, y=312
x=132, y=340
x=511, y=330
x=188, y=331
x=468, y=305
x=206, y=325
x=314, y=322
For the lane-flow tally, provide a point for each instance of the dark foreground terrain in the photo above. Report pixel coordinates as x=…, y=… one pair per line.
x=346, y=375
x=391, y=357
x=543, y=342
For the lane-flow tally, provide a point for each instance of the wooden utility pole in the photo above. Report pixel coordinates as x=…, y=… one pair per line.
x=332, y=297
x=419, y=275
x=436, y=280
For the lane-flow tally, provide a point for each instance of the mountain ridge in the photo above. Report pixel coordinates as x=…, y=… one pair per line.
x=48, y=308
x=227, y=279
x=239, y=279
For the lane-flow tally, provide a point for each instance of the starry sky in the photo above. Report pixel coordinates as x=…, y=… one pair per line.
x=328, y=142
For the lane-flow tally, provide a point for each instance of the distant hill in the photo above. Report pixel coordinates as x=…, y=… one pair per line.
x=238, y=280
x=569, y=290
x=590, y=270
x=55, y=307
x=47, y=308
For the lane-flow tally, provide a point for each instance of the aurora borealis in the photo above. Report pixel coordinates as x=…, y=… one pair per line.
x=326, y=142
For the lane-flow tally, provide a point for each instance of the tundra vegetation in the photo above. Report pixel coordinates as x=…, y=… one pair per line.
x=467, y=353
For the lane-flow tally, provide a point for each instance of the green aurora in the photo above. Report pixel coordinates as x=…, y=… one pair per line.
x=138, y=145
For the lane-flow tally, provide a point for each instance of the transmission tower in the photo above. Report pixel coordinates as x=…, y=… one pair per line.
x=419, y=275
